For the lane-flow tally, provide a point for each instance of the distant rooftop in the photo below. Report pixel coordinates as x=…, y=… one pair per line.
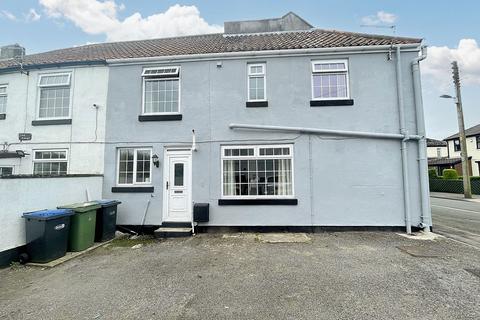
x=470, y=132
x=291, y=32
x=435, y=143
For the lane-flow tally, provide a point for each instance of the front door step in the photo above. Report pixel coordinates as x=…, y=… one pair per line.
x=173, y=232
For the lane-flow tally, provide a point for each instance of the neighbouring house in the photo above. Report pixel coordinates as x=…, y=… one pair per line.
x=263, y=124
x=436, y=148
x=473, y=148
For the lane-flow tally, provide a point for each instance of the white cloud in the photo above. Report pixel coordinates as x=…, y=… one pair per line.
x=8, y=15
x=100, y=17
x=32, y=15
x=438, y=63
x=381, y=17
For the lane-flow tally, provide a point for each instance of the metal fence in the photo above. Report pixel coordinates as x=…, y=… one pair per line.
x=452, y=186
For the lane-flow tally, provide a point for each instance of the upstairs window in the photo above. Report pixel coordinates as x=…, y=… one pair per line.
x=3, y=101
x=134, y=166
x=257, y=171
x=330, y=80
x=161, y=90
x=6, y=170
x=54, y=96
x=456, y=145
x=478, y=141
x=50, y=162
x=257, y=86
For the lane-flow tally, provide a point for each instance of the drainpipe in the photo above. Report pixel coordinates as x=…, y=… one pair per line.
x=404, y=151
x=422, y=143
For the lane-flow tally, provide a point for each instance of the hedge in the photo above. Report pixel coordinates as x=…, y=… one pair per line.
x=453, y=186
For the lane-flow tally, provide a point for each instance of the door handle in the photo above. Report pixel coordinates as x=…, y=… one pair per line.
x=167, y=185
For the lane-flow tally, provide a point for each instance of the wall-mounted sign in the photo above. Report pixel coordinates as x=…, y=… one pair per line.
x=24, y=136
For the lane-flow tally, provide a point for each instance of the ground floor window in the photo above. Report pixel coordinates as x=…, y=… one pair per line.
x=6, y=170
x=257, y=171
x=134, y=166
x=50, y=162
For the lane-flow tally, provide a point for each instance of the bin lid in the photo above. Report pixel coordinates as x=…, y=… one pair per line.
x=48, y=214
x=107, y=202
x=81, y=206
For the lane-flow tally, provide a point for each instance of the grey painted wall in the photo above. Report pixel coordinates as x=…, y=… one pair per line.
x=355, y=182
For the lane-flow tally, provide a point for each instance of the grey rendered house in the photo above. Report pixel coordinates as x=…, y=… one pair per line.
x=272, y=123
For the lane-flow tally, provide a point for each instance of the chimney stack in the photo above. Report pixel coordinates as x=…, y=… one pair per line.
x=12, y=51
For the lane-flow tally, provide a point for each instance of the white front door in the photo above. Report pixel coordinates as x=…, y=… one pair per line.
x=177, y=178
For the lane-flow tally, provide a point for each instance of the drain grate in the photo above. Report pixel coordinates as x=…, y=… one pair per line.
x=475, y=272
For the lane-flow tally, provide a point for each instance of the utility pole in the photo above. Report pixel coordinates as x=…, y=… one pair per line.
x=467, y=191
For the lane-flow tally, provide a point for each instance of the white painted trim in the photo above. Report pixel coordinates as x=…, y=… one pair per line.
x=148, y=78
x=70, y=74
x=34, y=160
x=263, y=75
x=333, y=72
x=134, y=178
x=257, y=156
x=415, y=47
x=45, y=75
x=176, y=151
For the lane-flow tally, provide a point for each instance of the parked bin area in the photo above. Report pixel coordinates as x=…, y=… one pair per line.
x=73, y=227
x=47, y=234
x=106, y=220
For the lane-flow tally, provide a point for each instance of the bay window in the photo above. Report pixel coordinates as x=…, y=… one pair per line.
x=262, y=171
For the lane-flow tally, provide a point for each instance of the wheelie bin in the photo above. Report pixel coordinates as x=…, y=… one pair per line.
x=106, y=220
x=82, y=229
x=46, y=235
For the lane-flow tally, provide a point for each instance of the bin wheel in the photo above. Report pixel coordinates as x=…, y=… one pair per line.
x=24, y=258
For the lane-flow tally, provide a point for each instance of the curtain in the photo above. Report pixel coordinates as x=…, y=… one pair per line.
x=229, y=178
x=284, y=171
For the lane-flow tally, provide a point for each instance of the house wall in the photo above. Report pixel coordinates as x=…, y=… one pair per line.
x=433, y=152
x=83, y=138
x=19, y=195
x=338, y=181
x=472, y=151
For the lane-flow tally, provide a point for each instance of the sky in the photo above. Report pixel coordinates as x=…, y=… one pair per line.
x=451, y=30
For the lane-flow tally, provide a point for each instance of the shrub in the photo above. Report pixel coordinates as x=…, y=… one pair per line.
x=450, y=174
x=432, y=174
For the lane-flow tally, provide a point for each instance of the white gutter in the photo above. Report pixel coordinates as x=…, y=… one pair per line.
x=344, y=133
x=403, y=150
x=263, y=54
x=422, y=143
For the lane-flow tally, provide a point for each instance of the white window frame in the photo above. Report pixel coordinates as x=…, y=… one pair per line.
x=4, y=95
x=263, y=75
x=171, y=76
x=8, y=166
x=134, y=180
x=256, y=156
x=334, y=71
x=40, y=86
x=34, y=160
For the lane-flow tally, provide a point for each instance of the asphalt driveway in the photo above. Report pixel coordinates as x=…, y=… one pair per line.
x=347, y=275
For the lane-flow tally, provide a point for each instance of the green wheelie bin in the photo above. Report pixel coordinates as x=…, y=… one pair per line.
x=82, y=227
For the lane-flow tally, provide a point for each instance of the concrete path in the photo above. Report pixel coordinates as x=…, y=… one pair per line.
x=457, y=219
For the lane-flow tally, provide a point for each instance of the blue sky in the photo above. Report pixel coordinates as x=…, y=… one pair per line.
x=42, y=25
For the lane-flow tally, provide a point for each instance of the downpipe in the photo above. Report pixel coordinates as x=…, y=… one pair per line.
x=404, y=150
x=426, y=217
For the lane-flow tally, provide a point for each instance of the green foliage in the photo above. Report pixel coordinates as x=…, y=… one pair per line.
x=432, y=174
x=450, y=174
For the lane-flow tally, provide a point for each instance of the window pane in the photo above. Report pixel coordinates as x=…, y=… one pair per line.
x=161, y=95
x=3, y=104
x=178, y=179
x=5, y=171
x=54, y=102
x=330, y=85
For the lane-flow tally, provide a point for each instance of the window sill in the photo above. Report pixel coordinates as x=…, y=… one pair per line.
x=132, y=189
x=257, y=202
x=160, y=117
x=53, y=122
x=3, y=116
x=257, y=104
x=331, y=103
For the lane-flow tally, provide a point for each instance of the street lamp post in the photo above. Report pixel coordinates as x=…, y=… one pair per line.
x=467, y=191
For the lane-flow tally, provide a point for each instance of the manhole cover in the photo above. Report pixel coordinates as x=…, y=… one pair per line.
x=422, y=252
x=475, y=272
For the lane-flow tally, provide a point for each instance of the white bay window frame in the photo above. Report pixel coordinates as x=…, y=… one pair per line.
x=158, y=74
x=134, y=172
x=63, y=85
x=337, y=71
x=256, y=155
x=254, y=75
